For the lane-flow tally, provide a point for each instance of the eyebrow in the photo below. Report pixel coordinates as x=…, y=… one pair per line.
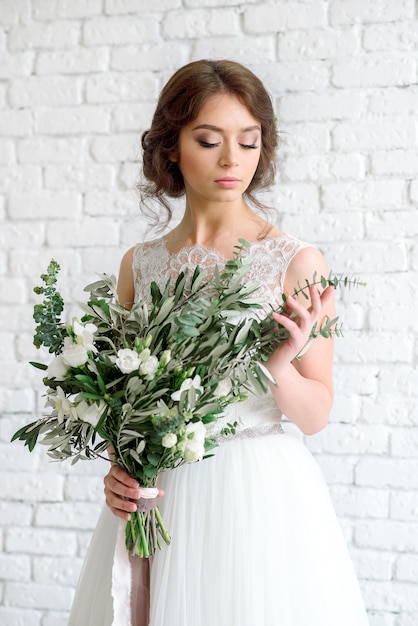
x=218, y=129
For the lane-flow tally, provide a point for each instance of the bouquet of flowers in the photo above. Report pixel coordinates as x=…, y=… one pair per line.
x=147, y=382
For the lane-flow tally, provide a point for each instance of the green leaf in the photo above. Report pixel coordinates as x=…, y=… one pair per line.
x=90, y=395
x=156, y=294
x=132, y=433
x=150, y=472
x=154, y=459
x=135, y=456
x=179, y=286
x=101, y=384
x=40, y=366
x=164, y=311
x=87, y=383
x=29, y=434
x=190, y=331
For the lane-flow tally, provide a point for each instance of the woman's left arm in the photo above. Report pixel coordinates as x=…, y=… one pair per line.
x=304, y=390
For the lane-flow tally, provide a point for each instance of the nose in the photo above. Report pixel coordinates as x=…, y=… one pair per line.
x=229, y=155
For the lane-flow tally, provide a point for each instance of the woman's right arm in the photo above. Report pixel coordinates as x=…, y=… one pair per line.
x=119, y=487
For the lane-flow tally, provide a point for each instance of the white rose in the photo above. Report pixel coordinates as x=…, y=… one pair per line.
x=223, y=388
x=169, y=440
x=84, y=334
x=196, y=431
x=193, y=451
x=74, y=354
x=57, y=368
x=194, y=443
x=127, y=361
x=149, y=367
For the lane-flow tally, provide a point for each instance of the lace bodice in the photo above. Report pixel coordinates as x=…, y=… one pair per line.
x=270, y=259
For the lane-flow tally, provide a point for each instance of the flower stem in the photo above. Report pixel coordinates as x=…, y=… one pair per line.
x=161, y=526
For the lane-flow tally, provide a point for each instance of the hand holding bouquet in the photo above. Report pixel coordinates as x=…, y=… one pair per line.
x=148, y=381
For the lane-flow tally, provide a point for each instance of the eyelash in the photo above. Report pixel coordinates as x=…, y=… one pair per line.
x=205, y=144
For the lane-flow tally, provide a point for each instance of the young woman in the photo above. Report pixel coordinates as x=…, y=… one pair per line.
x=255, y=539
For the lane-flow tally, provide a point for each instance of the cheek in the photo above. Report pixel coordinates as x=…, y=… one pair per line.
x=254, y=162
x=193, y=165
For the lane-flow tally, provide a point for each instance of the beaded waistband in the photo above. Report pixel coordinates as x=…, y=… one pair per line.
x=253, y=432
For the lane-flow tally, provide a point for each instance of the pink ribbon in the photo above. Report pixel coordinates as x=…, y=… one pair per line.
x=130, y=574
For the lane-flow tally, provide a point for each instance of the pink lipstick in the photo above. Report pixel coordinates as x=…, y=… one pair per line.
x=227, y=182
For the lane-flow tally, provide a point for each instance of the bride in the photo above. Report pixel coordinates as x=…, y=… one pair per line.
x=255, y=539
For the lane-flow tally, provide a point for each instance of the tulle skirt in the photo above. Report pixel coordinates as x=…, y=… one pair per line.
x=255, y=542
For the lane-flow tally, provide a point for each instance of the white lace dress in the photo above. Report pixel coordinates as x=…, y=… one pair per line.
x=255, y=540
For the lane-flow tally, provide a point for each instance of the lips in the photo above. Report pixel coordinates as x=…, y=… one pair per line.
x=227, y=182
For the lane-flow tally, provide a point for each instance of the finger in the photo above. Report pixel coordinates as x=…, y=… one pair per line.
x=123, y=509
x=316, y=302
x=319, y=300
x=286, y=321
x=117, y=472
x=119, y=482
x=298, y=310
x=327, y=294
x=115, y=493
x=122, y=506
x=297, y=336
x=119, y=490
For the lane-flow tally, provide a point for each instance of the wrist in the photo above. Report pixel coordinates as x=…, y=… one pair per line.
x=281, y=371
x=305, y=348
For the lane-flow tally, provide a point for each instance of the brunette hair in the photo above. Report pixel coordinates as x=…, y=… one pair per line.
x=179, y=104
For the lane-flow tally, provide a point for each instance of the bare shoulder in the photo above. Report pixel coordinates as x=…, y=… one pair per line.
x=308, y=261
x=126, y=289
x=127, y=259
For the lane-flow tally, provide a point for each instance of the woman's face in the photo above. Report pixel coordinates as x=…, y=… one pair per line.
x=219, y=151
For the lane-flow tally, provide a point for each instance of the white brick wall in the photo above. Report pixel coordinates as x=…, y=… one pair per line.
x=78, y=83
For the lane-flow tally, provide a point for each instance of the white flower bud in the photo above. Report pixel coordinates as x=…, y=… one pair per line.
x=74, y=354
x=149, y=367
x=169, y=440
x=57, y=368
x=127, y=360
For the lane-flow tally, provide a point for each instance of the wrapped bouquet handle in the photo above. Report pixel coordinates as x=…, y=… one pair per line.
x=142, y=531
x=148, y=499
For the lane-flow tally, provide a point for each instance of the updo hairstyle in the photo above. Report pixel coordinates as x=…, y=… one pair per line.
x=180, y=103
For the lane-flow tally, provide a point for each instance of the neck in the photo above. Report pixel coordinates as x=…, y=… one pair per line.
x=216, y=222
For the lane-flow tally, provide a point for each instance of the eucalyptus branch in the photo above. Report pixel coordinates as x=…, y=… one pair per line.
x=49, y=332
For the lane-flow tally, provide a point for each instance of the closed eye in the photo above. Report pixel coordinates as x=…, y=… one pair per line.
x=206, y=144
x=246, y=146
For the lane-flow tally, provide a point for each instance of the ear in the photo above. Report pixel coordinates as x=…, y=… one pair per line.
x=173, y=156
